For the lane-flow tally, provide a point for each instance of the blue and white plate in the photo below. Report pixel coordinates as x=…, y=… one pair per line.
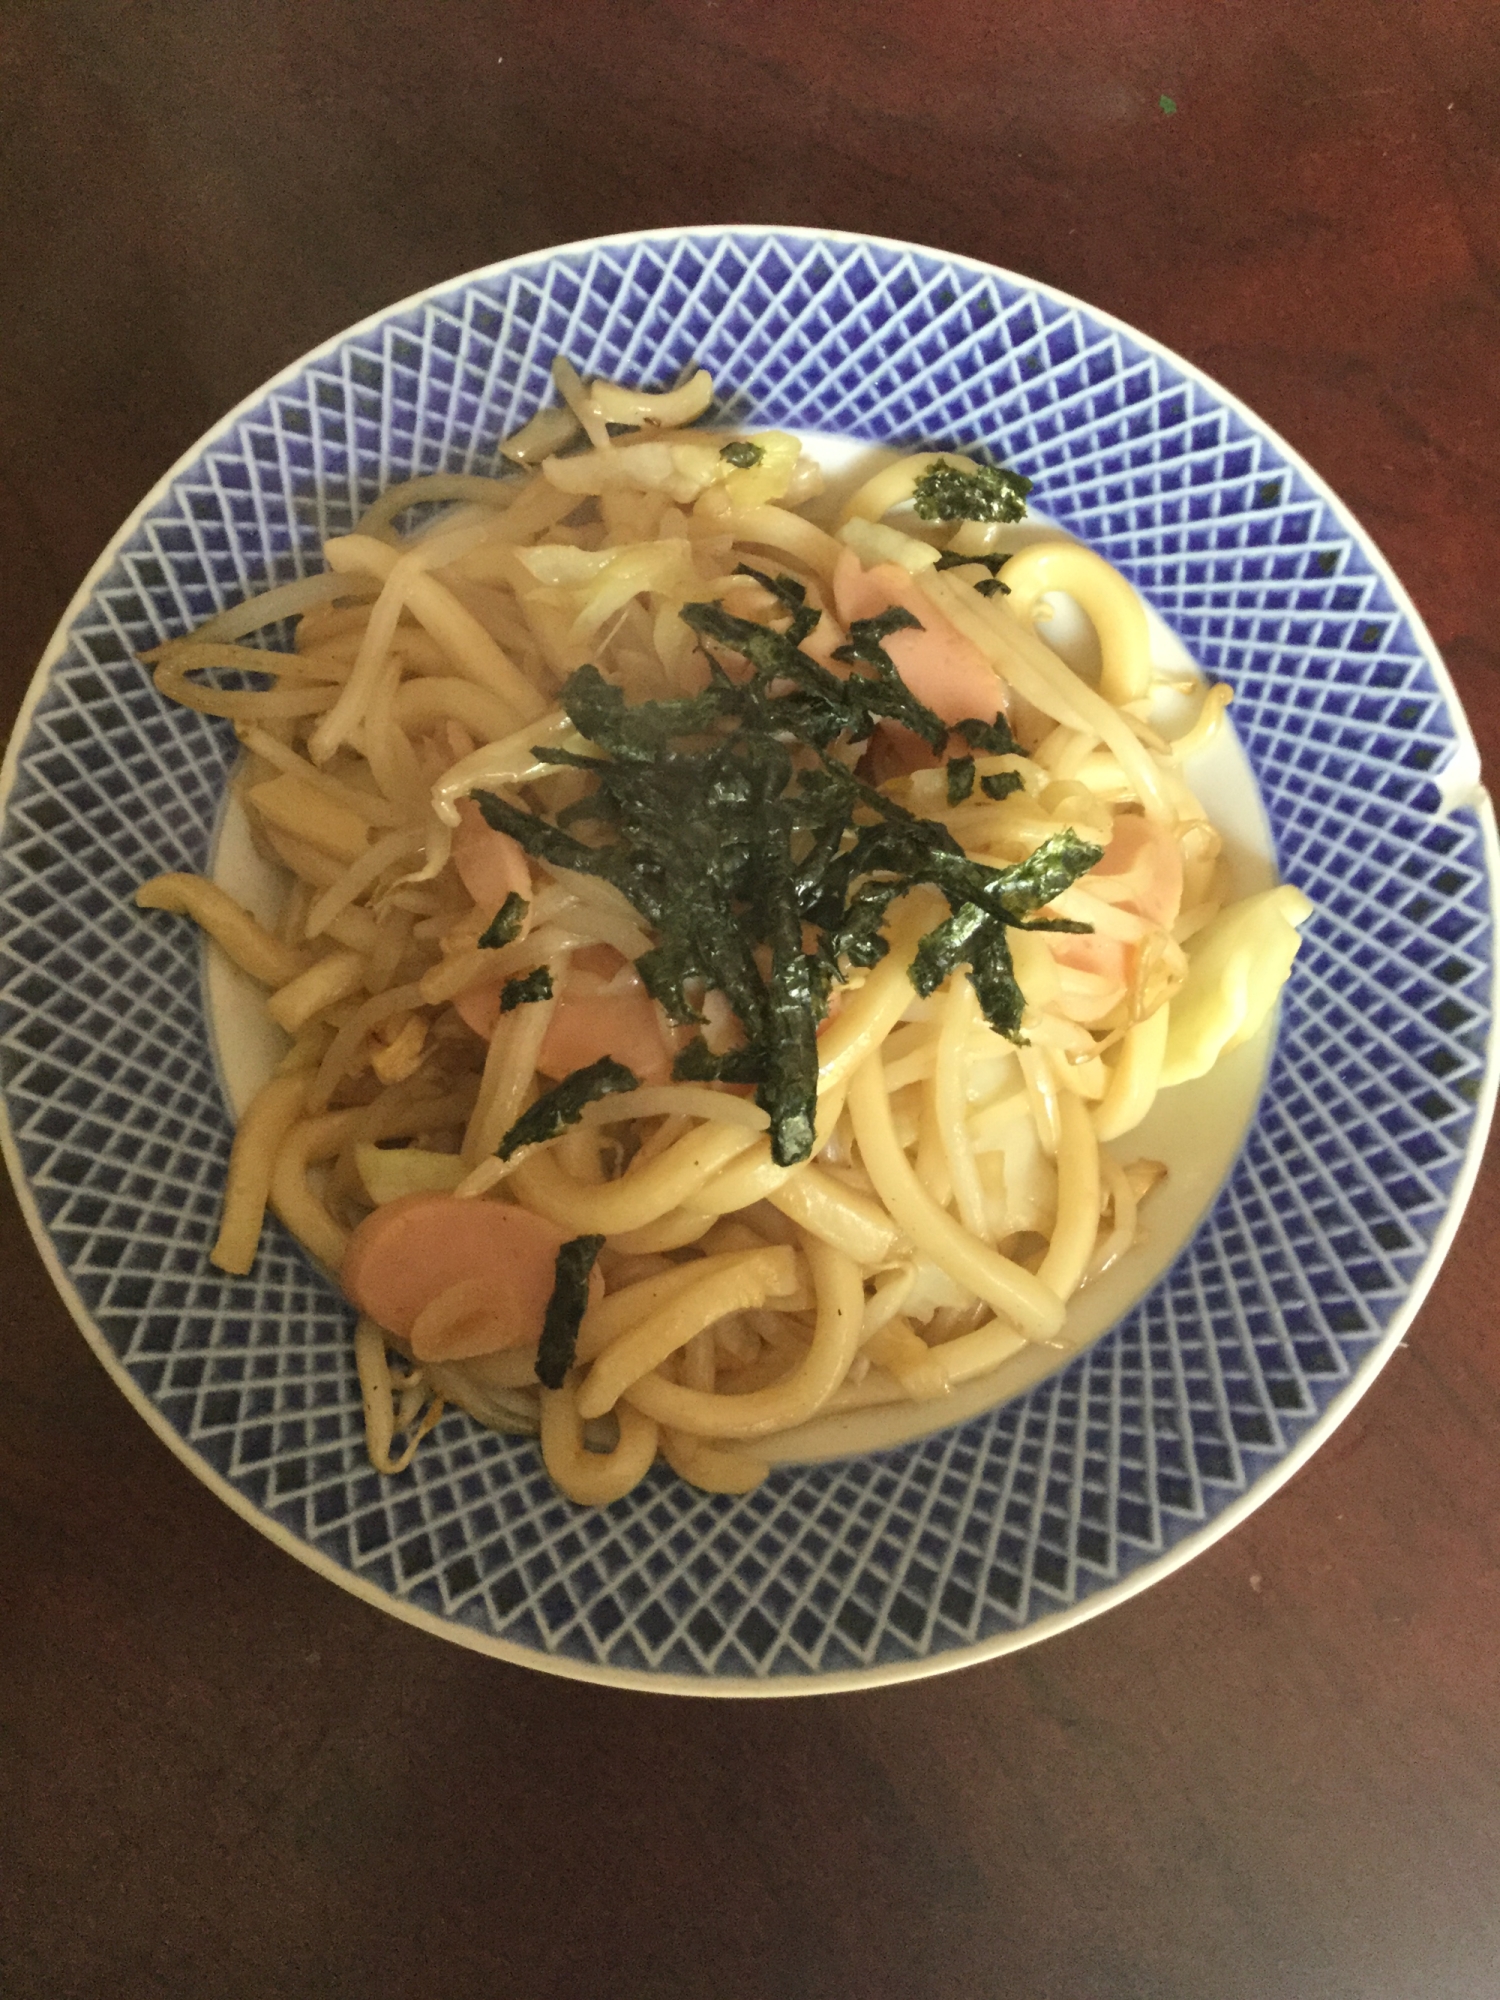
x=845, y=1572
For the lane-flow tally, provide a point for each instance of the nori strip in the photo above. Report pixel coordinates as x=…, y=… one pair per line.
x=895, y=699
x=764, y=865
x=1000, y=784
x=988, y=493
x=565, y=1309
x=993, y=738
x=506, y=924
x=564, y=1104
x=951, y=559
x=524, y=988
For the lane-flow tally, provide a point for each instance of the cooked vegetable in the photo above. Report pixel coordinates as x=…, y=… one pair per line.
x=1237, y=966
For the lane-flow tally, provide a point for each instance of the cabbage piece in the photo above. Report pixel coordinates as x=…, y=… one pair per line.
x=686, y=468
x=388, y=1174
x=1236, y=967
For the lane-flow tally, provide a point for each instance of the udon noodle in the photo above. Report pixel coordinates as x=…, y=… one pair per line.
x=579, y=1200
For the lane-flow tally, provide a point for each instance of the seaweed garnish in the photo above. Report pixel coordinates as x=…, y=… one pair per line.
x=764, y=864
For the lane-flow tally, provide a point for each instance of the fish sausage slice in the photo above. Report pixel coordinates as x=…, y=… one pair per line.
x=407, y=1252
x=938, y=664
x=490, y=864
x=1148, y=857
x=604, y=1010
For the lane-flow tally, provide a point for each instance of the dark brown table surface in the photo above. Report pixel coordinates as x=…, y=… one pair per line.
x=1275, y=1774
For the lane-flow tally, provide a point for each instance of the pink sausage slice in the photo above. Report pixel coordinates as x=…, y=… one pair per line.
x=622, y=1025
x=490, y=865
x=938, y=663
x=1150, y=859
x=1149, y=856
x=587, y=1022
x=604, y=1010
x=895, y=752
x=407, y=1252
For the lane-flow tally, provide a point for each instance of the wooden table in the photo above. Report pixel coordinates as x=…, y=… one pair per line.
x=1277, y=1773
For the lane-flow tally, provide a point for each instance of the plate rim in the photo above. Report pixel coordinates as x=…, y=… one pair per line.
x=1463, y=789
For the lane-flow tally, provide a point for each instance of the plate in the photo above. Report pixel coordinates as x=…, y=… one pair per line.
x=839, y=1571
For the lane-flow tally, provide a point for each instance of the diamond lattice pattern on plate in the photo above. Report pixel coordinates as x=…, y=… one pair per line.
x=1200, y=1392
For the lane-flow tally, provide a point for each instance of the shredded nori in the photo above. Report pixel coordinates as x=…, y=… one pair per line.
x=696, y=1063
x=993, y=738
x=953, y=559
x=785, y=589
x=565, y=1309
x=524, y=988
x=764, y=864
x=1000, y=784
x=506, y=925
x=899, y=703
x=988, y=586
x=988, y=493
x=564, y=1104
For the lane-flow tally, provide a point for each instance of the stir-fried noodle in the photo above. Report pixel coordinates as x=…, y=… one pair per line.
x=720, y=950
